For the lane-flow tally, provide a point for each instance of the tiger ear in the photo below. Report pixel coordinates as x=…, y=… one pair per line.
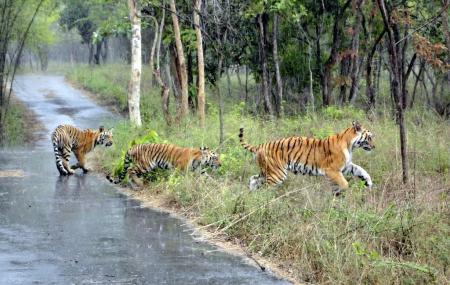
x=101, y=128
x=204, y=149
x=356, y=126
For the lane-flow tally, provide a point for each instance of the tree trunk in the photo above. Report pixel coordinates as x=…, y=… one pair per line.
x=104, y=50
x=370, y=90
x=265, y=75
x=161, y=29
x=276, y=61
x=183, y=110
x=164, y=97
x=153, y=49
x=354, y=70
x=98, y=49
x=91, y=53
x=345, y=69
x=416, y=83
x=327, y=87
x=136, y=66
x=396, y=83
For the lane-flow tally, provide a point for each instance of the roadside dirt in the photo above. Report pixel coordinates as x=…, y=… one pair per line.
x=33, y=128
x=162, y=203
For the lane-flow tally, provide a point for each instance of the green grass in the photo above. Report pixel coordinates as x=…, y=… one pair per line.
x=14, y=126
x=393, y=234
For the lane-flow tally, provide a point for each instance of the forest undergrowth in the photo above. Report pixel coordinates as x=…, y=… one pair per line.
x=393, y=234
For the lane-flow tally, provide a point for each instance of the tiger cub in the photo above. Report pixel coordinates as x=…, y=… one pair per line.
x=146, y=157
x=331, y=157
x=66, y=138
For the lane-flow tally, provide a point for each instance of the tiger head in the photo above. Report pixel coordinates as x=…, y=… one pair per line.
x=363, y=137
x=209, y=158
x=105, y=137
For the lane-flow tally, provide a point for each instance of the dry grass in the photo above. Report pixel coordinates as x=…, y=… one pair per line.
x=394, y=234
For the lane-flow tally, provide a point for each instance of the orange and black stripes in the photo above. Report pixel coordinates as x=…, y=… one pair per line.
x=66, y=138
x=330, y=156
x=146, y=157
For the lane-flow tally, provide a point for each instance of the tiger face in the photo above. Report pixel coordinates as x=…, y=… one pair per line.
x=363, y=139
x=210, y=158
x=105, y=137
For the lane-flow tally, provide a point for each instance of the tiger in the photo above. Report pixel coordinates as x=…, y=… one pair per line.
x=150, y=156
x=330, y=157
x=67, y=138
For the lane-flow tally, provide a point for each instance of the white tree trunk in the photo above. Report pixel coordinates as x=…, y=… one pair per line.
x=201, y=65
x=134, y=91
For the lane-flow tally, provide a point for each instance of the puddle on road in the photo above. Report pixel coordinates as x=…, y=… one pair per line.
x=11, y=173
x=70, y=111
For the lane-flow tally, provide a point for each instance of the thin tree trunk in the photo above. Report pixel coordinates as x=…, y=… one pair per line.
x=219, y=95
x=265, y=74
x=91, y=53
x=134, y=92
x=396, y=84
x=276, y=61
x=201, y=65
x=370, y=90
x=311, y=90
x=183, y=110
x=246, y=84
x=153, y=50
x=354, y=71
x=104, y=50
x=161, y=29
x=327, y=87
x=411, y=103
x=164, y=97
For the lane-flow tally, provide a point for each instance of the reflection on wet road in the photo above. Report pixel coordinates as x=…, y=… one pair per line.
x=80, y=230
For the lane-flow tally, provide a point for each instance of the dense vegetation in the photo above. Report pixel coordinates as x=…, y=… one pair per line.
x=395, y=233
x=277, y=68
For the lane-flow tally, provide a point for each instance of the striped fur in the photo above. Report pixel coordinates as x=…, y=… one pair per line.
x=66, y=138
x=146, y=157
x=330, y=157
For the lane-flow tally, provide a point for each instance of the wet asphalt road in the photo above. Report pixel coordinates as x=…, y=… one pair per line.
x=79, y=229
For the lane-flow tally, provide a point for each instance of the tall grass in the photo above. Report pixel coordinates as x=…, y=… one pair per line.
x=393, y=234
x=14, y=126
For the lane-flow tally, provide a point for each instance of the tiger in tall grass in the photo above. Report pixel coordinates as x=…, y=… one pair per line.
x=330, y=157
x=147, y=157
x=67, y=138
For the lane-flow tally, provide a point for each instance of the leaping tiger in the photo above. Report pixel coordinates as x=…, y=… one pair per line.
x=146, y=157
x=331, y=157
x=67, y=138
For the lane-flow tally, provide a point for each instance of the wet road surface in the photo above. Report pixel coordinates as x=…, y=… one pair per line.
x=79, y=229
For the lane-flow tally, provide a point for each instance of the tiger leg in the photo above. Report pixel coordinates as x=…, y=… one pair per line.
x=66, y=154
x=356, y=170
x=59, y=160
x=256, y=181
x=81, y=162
x=338, y=180
x=134, y=176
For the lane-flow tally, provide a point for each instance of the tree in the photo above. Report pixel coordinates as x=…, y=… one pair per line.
x=180, y=64
x=136, y=65
x=16, y=19
x=201, y=65
x=397, y=86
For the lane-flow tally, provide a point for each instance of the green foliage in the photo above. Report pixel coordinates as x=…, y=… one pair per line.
x=391, y=234
x=150, y=137
x=347, y=112
x=14, y=133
